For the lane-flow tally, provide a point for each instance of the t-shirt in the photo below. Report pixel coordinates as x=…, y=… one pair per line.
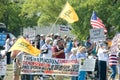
x=18, y=57
x=49, y=54
x=55, y=49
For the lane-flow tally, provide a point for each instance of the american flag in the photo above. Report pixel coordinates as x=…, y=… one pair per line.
x=97, y=22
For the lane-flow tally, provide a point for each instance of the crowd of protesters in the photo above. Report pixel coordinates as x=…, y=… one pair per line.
x=64, y=47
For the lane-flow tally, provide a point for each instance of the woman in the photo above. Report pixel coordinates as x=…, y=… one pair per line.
x=81, y=54
x=73, y=57
x=7, y=47
x=46, y=49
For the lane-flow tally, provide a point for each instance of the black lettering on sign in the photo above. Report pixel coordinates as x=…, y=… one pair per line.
x=67, y=13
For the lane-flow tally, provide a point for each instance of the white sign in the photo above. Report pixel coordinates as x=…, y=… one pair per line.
x=3, y=66
x=87, y=64
x=64, y=28
x=97, y=34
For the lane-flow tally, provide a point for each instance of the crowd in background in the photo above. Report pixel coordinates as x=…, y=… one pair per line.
x=65, y=47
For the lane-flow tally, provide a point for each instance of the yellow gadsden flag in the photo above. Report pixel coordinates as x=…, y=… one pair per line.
x=69, y=14
x=23, y=45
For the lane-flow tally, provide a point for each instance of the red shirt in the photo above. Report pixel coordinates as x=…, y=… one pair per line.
x=55, y=49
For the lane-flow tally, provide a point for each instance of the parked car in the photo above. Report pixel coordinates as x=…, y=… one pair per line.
x=3, y=37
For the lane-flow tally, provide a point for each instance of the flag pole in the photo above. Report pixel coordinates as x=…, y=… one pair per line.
x=55, y=21
x=53, y=25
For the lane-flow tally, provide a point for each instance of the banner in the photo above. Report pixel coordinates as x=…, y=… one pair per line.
x=3, y=66
x=36, y=65
x=23, y=45
x=69, y=14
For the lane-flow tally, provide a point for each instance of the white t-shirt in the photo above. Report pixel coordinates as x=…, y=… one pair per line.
x=102, y=55
x=7, y=44
x=49, y=54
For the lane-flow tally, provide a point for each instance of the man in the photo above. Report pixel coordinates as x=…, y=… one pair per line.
x=58, y=52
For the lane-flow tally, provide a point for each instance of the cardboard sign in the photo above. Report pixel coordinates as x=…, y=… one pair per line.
x=97, y=34
x=87, y=64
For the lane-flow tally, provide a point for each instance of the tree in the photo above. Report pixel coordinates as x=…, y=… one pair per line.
x=10, y=15
x=107, y=10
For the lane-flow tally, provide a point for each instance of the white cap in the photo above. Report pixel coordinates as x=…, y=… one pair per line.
x=42, y=35
x=57, y=34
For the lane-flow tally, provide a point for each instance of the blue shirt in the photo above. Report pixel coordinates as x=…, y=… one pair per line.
x=81, y=55
x=68, y=47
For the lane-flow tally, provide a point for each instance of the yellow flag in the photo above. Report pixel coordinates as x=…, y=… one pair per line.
x=23, y=45
x=69, y=14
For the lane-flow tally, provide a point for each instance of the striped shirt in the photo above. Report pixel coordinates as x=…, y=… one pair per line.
x=112, y=59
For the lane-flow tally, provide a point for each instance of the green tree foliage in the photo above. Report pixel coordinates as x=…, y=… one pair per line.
x=10, y=15
x=107, y=11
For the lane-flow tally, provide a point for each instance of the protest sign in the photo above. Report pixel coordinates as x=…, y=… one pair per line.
x=36, y=65
x=97, y=34
x=87, y=64
x=3, y=66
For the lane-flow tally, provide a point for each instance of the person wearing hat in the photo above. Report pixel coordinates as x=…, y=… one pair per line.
x=58, y=53
x=73, y=57
x=81, y=54
x=46, y=49
x=42, y=40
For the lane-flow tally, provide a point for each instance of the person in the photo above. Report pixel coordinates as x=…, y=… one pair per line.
x=46, y=49
x=37, y=41
x=89, y=47
x=42, y=40
x=58, y=53
x=102, y=61
x=58, y=50
x=81, y=54
x=7, y=47
x=3, y=63
x=113, y=65
x=68, y=47
x=73, y=57
x=17, y=64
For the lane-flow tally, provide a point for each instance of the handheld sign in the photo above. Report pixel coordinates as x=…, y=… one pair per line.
x=97, y=34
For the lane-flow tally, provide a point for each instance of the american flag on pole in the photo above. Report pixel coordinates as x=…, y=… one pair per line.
x=97, y=22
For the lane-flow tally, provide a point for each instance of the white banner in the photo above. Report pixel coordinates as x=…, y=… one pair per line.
x=36, y=65
x=3, y=66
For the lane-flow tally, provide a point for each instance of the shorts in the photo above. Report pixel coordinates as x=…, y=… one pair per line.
x=118, y=68
x=17, y=71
